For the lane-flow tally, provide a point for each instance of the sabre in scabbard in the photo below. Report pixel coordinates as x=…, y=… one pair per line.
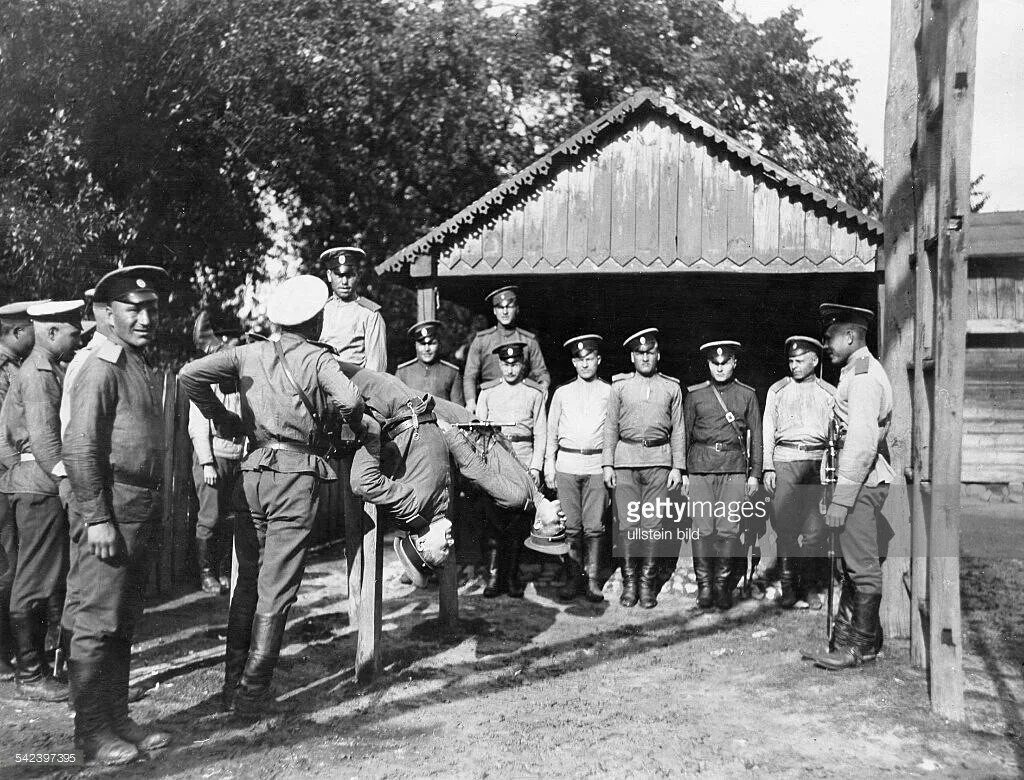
x=830, y=487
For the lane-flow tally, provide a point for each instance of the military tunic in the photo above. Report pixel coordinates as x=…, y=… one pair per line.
x=9, y=363
x=31, y=449
x=355, y=329
x=796, y=417
x=113, y=450
x=483, y=367
x=441, y=379
x=644, y=438
x=521, y=405
x=575, y=443
x=716, y=454
x=864, y=402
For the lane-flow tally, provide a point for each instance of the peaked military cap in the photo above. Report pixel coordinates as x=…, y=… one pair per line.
x=18, y=311
x=424, y=330
x=57, y=311
x=720, y=350
x=133, y=284
x=642, y=341
x=297, y=300
x=343, y=257
x=502, y=295
x=798, y=345
x=837, y=314
x=513, y=352
x=580, y=346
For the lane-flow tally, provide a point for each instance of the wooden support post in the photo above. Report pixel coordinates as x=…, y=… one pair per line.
x=371, y=573
x=954, y=185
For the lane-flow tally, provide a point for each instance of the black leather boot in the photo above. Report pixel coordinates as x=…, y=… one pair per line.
x=595, y=553
x=650, y=583
x=516, y=588
x=6, y=639
x=239, y=635
x=724, y=572
x=703, y=570
x=147, y=740
x=494, y=583
x=208, y=581
x=574, y=580
x=93, y=735
x=252, y=698
x=630, y=574
x=33, y=674
x=788, y=583
x=856, y=642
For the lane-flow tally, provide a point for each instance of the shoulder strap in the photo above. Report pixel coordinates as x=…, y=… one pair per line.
x=729, y=416
x=295, y=385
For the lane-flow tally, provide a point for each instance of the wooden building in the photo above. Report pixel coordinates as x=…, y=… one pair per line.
x=652, y=217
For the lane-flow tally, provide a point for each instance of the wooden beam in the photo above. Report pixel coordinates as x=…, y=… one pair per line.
x=988, y=327
x=368, y=663
x=954, y=182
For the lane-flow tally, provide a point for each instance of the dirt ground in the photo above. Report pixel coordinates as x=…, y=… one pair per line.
x=535, y=687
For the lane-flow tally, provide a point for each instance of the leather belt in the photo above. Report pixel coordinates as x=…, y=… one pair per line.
x=580, y=452
x=802, y=447
x=394, y=427
x=722, y=446
x=292, y=446
x=645, y=442
x=519, y=437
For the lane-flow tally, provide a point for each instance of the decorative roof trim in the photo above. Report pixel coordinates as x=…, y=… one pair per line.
x=867, y=228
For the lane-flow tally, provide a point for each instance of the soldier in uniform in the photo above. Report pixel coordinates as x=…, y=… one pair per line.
x=482, y=367
x=17, y=337
x=643, y=459
x=519, y=402
x=113, y=451
x=863, y=409
x=796, y=415
x=352, y=324
x=427, y=371
x=572, y=464
x=723, y=472
x=30, y=446
x=291, y=388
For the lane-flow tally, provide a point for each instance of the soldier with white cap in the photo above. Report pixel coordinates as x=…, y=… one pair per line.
x=863, y=411
x=572, y=464
x=17, y=337
x=643, y=459
x=723, y=471
x=293, y=392
x=352, y=325
x=796, y=416
x=482, y=365
x=113, y=450
x=35, y=486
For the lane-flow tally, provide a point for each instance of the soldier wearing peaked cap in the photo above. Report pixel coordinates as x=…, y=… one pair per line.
x=113, y=451
x=863, y=410
x=17, y=337
x=519, y=403
x=35, y=485
x=796, y=416
x=643, y=458
x=572, y=464
x=292, y=392
x=428, y=371
x=723, y=470
x=352, y=325
x=482, y=366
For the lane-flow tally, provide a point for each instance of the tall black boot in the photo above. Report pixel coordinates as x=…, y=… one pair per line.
x=856, y=642
x=494, y=584
x=93, y=735
x=703, y=570
x=6, y=639
x=253, y=693
x=146, y=740
x=650, y=582
x=788, y=583
x=630, y=574
x=204, y=559
x=33, y=675
x=595, y=553
x=236, y=652
x=516, y=589
x=226, y=546
x=724, y=571
x=574, y=580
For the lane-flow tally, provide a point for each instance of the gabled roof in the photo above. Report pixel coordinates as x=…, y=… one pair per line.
x=576, y=146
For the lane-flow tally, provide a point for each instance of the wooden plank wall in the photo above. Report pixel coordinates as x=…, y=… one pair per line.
x=995, y=294
x=993, y=441
x=657, y=198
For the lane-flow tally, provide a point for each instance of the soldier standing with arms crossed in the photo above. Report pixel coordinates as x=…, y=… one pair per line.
x=572, y=465
x=113, y=452
x=863, y=410
x=644, y=458
x=722, y=475
x=796, y=416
